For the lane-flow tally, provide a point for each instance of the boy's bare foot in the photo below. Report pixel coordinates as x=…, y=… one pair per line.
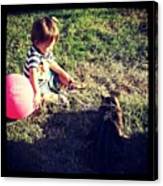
x=51, y=97
x=56, y=99
x=63, y=100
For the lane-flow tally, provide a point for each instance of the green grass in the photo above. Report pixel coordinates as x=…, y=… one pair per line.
x=104, y=48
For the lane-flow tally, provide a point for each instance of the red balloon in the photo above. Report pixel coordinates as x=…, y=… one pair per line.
x=19, y=96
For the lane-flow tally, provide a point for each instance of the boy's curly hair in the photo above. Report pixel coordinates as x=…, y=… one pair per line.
x=45, y=30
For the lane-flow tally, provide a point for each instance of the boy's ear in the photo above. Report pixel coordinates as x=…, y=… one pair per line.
x=102, y=97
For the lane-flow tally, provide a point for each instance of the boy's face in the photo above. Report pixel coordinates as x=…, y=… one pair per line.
x=46, y=46
x=50, y=46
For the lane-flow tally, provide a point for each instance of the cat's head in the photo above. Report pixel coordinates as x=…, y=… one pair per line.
x=109, y=108
x=108, y=103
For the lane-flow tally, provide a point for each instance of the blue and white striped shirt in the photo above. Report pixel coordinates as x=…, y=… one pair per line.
x=35, y=58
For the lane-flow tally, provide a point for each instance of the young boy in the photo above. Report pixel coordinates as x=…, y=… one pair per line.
x=44, y=73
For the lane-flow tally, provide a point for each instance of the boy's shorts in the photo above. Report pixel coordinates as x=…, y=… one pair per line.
x=53, y=84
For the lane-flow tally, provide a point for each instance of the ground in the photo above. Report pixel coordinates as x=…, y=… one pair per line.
x=106, y=50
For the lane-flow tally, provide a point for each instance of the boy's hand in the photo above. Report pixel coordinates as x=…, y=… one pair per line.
x=37, y=100
x=72, y=85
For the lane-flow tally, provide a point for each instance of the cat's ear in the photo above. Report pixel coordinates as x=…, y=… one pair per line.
x=114, y=93
x=102, y=97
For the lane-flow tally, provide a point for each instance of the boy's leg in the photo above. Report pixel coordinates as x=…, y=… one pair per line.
x=54, y=82
x=47, y=94
x=55, y=86
x=51, y=90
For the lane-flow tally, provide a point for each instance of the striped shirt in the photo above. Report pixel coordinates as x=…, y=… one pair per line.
x=35, y=58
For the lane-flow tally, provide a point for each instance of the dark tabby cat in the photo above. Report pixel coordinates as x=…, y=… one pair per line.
x=111, y=111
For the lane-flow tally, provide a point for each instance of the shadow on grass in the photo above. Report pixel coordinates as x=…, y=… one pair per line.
x=80, y=142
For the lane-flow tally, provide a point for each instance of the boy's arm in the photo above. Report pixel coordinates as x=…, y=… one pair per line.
x=34, y=82
x=63, y=75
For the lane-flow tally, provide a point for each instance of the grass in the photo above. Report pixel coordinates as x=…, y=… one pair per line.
x=106, y=49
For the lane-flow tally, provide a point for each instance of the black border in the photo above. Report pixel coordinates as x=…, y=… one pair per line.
x=152, y=9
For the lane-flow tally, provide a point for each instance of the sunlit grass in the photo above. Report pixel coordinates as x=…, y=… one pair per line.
x=106, y=49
